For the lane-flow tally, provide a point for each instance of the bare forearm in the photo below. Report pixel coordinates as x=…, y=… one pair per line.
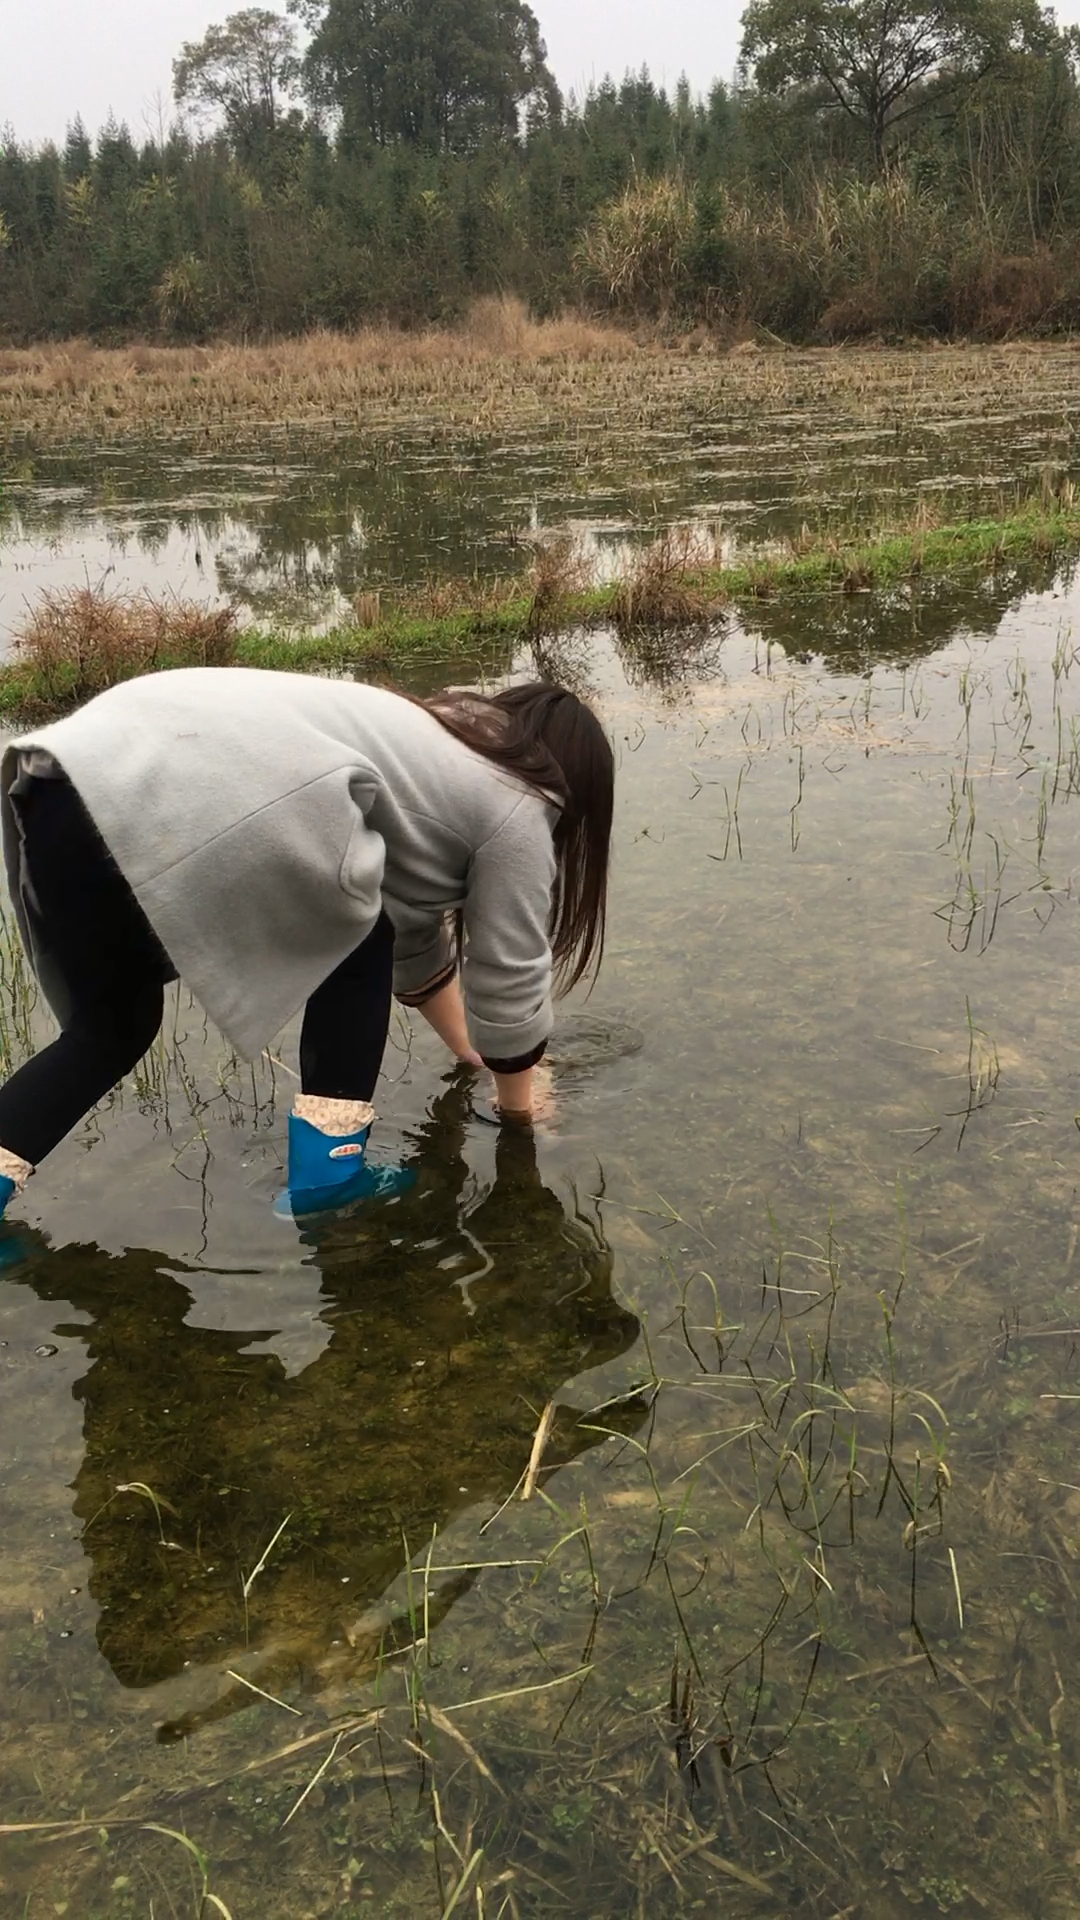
x=514, y=1094
x=518, y=1096
x=445, y=1013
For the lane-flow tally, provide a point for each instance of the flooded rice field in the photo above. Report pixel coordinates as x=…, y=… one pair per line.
x=676, y=1511
x=290, y=522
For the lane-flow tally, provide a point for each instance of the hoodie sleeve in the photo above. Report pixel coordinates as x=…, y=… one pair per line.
x=423, y=959
x=506, y=973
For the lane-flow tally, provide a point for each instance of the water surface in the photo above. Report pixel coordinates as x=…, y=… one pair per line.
x=790, y=1621
x=290, y=523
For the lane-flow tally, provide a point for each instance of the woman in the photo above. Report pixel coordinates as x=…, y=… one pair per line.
x=278, y=841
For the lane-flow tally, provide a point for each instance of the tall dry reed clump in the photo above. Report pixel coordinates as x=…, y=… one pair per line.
x=557, y=574
x=851, y=257
x=80, y=640
x=637, y=251
x=882, y=253
x=665, y=583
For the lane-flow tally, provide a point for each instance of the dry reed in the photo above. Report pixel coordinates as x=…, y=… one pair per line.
x=81, y=640
x=562, y=375
x=471, y=598
x=53, y=386
x=664, y=583
x=367, y=608
x=557, y=573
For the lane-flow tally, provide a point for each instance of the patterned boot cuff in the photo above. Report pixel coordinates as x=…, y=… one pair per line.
x=14, y=1169
x=340, y=1118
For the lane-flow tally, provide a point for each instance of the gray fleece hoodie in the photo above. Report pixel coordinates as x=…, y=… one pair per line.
x=262, y=821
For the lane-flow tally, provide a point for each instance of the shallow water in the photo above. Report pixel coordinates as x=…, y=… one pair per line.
x=790, y=1621
x=291, y=523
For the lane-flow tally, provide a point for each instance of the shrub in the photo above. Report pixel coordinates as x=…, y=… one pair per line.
x=81, y=640
x=636, y=251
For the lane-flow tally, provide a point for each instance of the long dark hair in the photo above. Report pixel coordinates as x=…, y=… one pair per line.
x=546, y=737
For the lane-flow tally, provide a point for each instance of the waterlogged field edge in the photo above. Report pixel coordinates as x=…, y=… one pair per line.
x=78, y=642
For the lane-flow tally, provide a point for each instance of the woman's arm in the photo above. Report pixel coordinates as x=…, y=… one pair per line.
x=519, y=1096
x=514, y=1094
x=506, y=970
x=506, y=980
x=444, y=1011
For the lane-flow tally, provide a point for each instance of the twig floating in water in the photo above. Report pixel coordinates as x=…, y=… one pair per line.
x=512, y=1693
x=315, y=1778
x=263, y=1695
x=255, y=1571
x=956, y=1588
x=540, y=1440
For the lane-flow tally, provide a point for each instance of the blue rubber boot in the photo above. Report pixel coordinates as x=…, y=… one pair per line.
x=328, y=1171
x=12, y=1246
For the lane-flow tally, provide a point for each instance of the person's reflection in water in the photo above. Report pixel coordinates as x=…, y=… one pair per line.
x=455, y=1316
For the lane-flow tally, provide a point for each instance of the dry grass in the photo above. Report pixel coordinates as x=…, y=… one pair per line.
x=664, y=583
x=73, y=384
x=367, y=607
x=470, y=598
x=503, y=372
x=558, y=573
x=80, y=641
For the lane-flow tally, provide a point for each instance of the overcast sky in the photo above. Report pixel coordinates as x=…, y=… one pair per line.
x=63, y=57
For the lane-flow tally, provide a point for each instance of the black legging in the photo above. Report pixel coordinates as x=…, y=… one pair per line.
x=113, y=968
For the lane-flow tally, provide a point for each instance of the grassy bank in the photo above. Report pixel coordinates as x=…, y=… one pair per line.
x=502, y=372
x=77, y=643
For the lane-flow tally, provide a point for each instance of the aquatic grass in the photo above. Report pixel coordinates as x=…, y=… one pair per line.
x=76, y=643
x=205, y=1899
x=157, y=1501
x=664, y=1799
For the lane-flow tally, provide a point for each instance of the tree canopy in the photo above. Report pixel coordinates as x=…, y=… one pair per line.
x=243, y=70
x=881, y=61
x=443, y=74
x=435, y=165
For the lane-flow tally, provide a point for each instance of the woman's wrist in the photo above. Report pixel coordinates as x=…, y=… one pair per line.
x=514, y=1094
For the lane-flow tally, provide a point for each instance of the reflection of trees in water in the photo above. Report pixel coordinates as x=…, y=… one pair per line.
x=847, y=633
x=324, y=516
x=314, y=519
x=278, y=574
x=454, y=1315
x=851, y=632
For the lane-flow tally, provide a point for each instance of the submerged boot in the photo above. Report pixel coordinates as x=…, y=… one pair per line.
x=328, y=1158
x=14, y=1174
